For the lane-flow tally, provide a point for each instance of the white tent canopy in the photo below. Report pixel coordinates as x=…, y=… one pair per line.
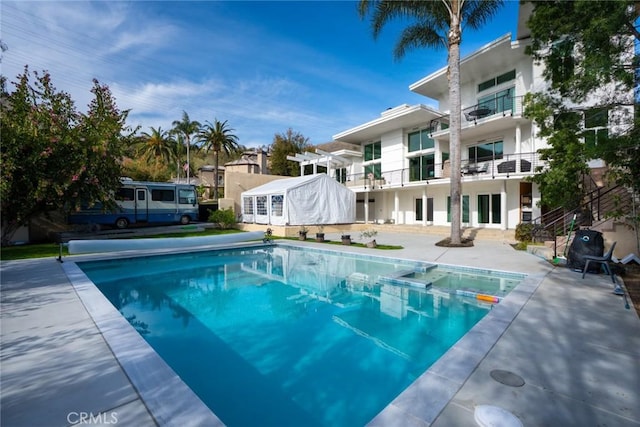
x=304, y=200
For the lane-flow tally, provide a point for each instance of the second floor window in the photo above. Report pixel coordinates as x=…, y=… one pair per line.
x=486, y=151
x=372, y=151
x=375, y=169
x=596, y=121
x=421, y=168
x=420, y=141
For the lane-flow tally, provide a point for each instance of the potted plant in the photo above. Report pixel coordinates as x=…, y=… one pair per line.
x=370, y=234
x=320, y=234
x=302, y=234
x=346, y=239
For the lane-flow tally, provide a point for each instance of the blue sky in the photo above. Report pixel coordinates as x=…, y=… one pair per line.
x=264, y=66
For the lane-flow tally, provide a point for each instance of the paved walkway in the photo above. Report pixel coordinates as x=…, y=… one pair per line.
x=572, y=342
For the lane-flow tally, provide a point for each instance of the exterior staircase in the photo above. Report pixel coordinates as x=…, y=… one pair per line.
x=604, y=209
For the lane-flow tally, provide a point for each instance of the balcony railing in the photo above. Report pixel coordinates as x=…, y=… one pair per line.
x=509, y=164
x=501, y=106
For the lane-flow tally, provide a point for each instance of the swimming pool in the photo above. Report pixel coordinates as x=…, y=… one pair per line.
x=285, y=336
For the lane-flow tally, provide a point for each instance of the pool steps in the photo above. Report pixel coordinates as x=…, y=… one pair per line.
x=402, y=277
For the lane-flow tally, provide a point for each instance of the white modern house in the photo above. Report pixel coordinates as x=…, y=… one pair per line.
x=402, y=174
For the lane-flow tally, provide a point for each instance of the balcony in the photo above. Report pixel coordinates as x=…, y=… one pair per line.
x=502, y=106
x=510, y=165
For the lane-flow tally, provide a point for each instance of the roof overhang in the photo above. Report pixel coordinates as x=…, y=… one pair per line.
x=401, y=117
x=320, y=158
x=492, y=56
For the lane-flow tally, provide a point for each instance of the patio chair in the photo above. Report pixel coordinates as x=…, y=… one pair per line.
x=604, y=260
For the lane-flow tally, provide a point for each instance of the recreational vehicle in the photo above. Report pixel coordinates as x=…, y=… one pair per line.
x=144, y=203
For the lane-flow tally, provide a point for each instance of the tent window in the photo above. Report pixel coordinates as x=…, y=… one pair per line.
x=261, y=205
x=248, y=205
x=276, y=205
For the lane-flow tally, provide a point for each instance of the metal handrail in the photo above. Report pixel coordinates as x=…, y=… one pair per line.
x=501, y=106
x=509, y=164
x=597, y=204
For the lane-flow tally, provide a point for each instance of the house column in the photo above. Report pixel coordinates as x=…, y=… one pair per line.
x=518, y=149
x=424, y=205
x=301, y=169
x=366, y=207
x=315, y=168
x=504, y=212
x=396, y=206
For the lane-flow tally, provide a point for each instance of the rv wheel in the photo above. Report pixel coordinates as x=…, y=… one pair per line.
x=122, y=223
x=184, y=220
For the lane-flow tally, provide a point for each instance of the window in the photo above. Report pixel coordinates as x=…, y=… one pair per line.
x=465, y=208
x=566, y=120
x=596, y=121
x=561, y=63
x=276, y=204
x=429, y=209
x=485, y=151
x=375, y=169
x=445, y=157
x=372, y=151
x=261, y=205
x=186, y=196
x=489, y=209
x=499, y=101
x=124, y=194
x=341, y=175
x=421, y=168
x=502, y=78
x=420, y=141
x=418, y=209
x=163, y=195
x=247, y=203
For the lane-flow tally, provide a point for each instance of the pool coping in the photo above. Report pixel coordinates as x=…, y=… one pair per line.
x=172, y=403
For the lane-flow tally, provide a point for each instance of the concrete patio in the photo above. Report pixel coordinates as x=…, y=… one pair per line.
x=572, y=341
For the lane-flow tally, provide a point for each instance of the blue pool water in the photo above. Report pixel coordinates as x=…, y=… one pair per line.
x=279, y=336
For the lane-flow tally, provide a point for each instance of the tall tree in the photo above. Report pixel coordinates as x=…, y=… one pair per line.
x=218, y=137
x=587, y=48
x=52, y=156
x=187, y=128
x=286, y=144
x=437, y=24
x=157, y=147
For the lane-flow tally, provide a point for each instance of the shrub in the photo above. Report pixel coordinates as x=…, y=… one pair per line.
x=225, y=218
x=523, y=232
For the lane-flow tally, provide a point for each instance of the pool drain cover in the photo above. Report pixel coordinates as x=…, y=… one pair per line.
x=492, y=416
x=507, y=378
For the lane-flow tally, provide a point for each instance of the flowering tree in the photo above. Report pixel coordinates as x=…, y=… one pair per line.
x=52, y=156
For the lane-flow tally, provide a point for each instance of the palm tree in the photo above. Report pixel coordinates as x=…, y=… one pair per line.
x=186, y=128
x=157, y=146
x=217, y=137
x=437, y=24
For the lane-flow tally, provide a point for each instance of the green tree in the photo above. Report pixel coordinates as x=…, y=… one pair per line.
x=157, y=148
x=52, y=156
x=187, y=128
x=218, y=137
x=437, y=24
x=287, y=144
x=587, y=48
